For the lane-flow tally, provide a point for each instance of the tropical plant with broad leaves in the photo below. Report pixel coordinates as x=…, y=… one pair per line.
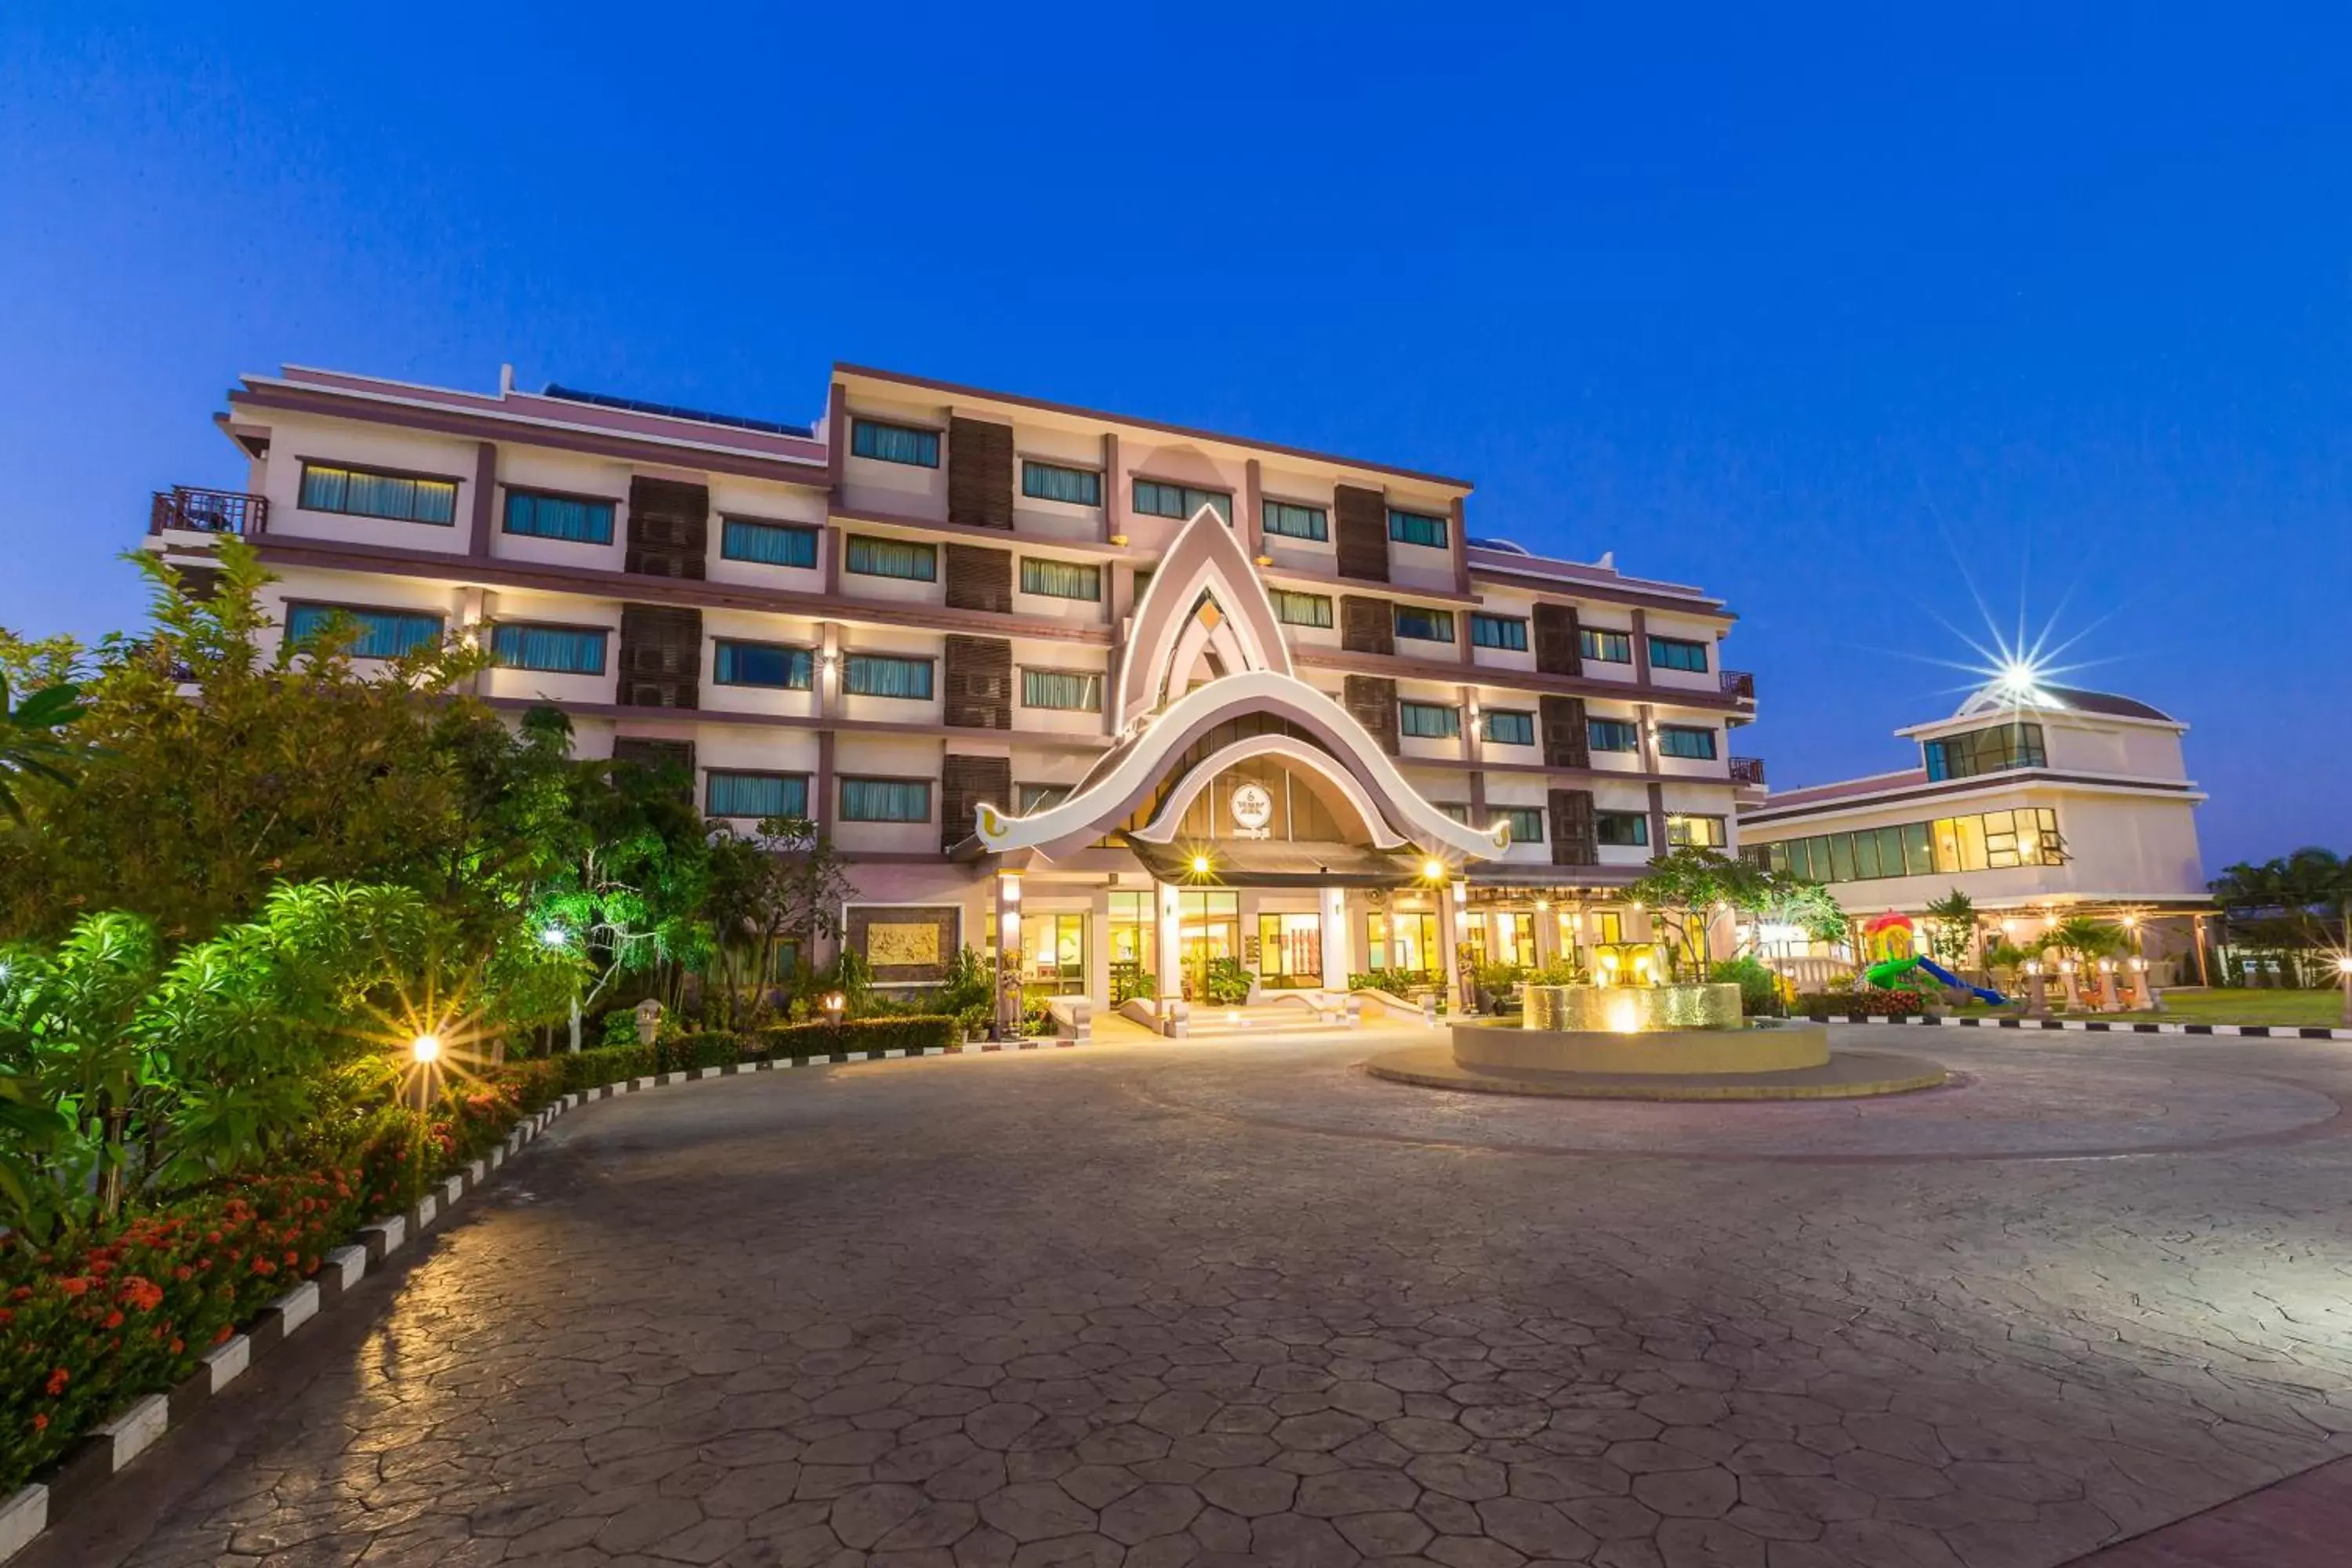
x=30, y=742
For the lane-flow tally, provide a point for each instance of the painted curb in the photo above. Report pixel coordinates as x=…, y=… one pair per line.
x=2093, y=1026
x=109, y=1448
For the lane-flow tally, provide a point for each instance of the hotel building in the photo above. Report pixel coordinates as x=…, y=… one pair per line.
x=1111, y=697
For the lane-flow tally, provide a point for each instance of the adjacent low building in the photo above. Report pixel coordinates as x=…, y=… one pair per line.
x=2039, y=801
x=1117, y=698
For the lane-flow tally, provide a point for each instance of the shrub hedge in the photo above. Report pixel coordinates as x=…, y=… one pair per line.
x=1873, y=1003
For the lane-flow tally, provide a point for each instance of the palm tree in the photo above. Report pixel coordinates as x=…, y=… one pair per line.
x=2084, y=938
x=29, y=741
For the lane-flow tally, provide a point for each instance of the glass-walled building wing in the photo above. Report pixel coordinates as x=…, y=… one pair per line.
x=1998, y=749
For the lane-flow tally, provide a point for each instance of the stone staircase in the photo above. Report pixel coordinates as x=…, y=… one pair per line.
x=1261, y=1019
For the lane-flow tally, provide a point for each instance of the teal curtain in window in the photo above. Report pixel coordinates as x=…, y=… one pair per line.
x=1526, y=823
x=769, y=543
x=1061, y=689
x=559, y=517
x=885, y=800
x=1610, y=735
x=1674, y=653
x=1607, y=646
x=1294, y=522
x=879, y=675
x=1430, y=625
x=560, y=650
x=1417, y=528
x=1509, y=727
x=383, y=634
x=1498, y=631
x=757, y=795
x=1050, y=481
x=891, y=558
x=762, y=664
x=1623, y=828
x=1180, y=501
x=1674, y=741
x=1429, y=720
x=358, y=492
x=893, y=443
x=1302, y=609
x=1060, y=579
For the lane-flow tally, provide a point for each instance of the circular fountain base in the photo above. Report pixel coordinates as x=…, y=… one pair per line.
x=1764, y=1045
x=1847, y=1075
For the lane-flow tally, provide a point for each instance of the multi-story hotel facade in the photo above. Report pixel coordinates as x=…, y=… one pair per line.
x=1112, y=698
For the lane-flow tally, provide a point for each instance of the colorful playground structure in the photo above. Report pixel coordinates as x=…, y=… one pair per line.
x=1894, y=939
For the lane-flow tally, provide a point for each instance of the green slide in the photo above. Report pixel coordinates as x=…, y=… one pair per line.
x=1885, y=975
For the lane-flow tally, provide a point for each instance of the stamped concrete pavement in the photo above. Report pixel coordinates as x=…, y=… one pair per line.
x=1161, y=1305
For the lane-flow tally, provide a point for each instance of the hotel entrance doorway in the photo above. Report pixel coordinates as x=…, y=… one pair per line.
x=1209, y=923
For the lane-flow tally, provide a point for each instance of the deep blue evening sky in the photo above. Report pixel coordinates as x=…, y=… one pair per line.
x=1819, y=314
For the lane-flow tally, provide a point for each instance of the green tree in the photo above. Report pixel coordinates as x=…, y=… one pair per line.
x=1683, y=891
x=2084, y=938
x=30, y=744
x=1952, y=927
x=1783, y=898
x=782, y=884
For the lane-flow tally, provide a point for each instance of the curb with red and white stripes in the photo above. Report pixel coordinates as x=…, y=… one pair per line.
x=72, y=1480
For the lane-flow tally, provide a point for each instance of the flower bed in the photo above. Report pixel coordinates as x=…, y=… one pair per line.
x=1870, y=1004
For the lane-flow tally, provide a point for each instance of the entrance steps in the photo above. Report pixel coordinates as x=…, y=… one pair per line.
x=1261, y=1019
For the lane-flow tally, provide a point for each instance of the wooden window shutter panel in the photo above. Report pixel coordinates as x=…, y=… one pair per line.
x=1359, y=527
x=1367, y=626
x=980, y=578
x=669, y=528
x=1574, y=839
x=661, y=657
x=966, y=783
x=978, y=682
x=980, y=473
x=1372, y=702
x=1559, y=650
x=1567, y=744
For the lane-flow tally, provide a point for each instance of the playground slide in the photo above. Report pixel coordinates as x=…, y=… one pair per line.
x=1885, y=974
x=1947, y=977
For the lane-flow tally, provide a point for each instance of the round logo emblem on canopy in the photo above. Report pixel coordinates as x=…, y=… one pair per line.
x=1252, y=808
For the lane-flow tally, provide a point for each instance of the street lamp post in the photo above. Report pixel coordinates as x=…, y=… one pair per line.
x=2037, y=990
x=425, y=1050
x=557, y=937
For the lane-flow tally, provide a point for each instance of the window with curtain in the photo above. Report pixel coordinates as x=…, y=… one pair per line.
x=1526, y=823
x=1292, y=520
x=383, y=634
x=1509, y=726
x=1153, y=499
x=762, y=664
x=755, y=795
x=1612, y=736
x=1459, y=810
x=1429, y=625
x=1417, y=528
x=1060, y=579
x=1705, y=832
x=905, y=558
x=1990, y=751
x=1498, y=631
x=1301, y=610
x=1605, y=646
x=1429, y=720
x=559, y=650
x=367, y=493
x=1051, y=481
x=894, y=443
x=1070, y=689
x=885, y=675
x=1028, y=798
x=885, y=800
x=1686, y=741
x=1624, y=829
x=769, y=543
x=543, y=516
x=1677, y=653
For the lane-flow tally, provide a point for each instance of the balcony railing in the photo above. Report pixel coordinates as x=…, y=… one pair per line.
x=208, y=511
x=1740, y=683
x=1747, y=771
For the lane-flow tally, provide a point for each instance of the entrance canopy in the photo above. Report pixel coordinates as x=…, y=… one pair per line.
x=1278, y=865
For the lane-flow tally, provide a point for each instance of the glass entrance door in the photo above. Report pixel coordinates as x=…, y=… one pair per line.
x=1211, y=927
x=1290, y=950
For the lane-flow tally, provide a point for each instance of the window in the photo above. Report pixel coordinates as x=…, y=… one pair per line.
x=383, y=634
x=894, y=443
x=1290, y=950
x=1704, y=832
x=885, y=800
x=1153, y=499
x=1459, y=810
x=891, y=558
x=366, y=493
x=1686, y=741
x=1605, y=646
x=1054, y=952
x=762, y=664
x=1028, y=798
x=1417, y=528
x=1994, y=840
x=539, y=515
x=1301, y=610
x=1509, y=726
x=1624, y=829
x=1498, y=631
x=1051, y=481
x=1403, y=938
x=1526, y=823
x=1060, y=579
x=561, y=651
x=1992, y=750
x=769, y=543
x=1077, y=689
x=1430, y=720
x=1142, y=582
x=1294, y=522
x=1677, y=653
x=1428, y=626
x=1134, y=942
x=885, y=675
x=1612, y=736
x=755, y=795
x=1514, y=938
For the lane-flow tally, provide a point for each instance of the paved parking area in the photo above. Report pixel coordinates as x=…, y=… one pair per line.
x=1180, y=1304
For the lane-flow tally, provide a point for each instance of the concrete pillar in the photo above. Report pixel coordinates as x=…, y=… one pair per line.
x=1339, y=940
x=1451, y=911
x=1098, y=949
x=1171, y=957
x=1546, y=935
x=1008, y=953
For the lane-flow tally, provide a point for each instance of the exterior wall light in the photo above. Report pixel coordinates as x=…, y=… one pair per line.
x=833, y=1002
x=1433, y=870
x=1199, y=865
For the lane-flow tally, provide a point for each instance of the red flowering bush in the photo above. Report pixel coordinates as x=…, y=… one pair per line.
x=1871, y=1002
